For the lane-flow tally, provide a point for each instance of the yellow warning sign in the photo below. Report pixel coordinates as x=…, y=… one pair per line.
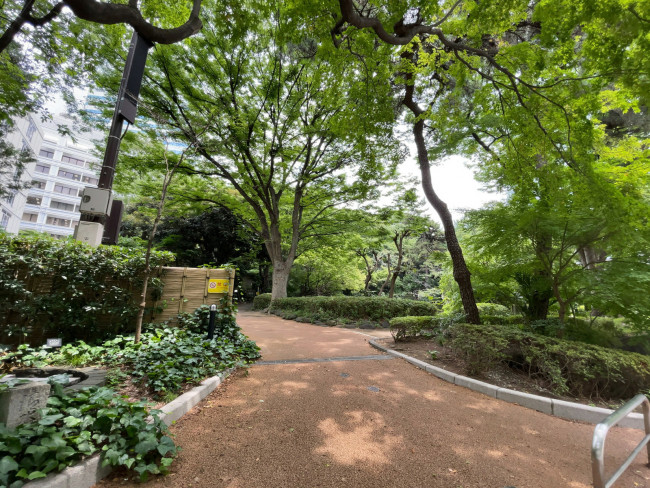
x=218, y=286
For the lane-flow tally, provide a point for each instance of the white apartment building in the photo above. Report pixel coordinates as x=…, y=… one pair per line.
x=65, y=166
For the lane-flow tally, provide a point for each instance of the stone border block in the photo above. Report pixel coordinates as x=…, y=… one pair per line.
x=534, y=402
x=476, y=385
x=88, y=472
x=418, y=363
x=593, y=415
x=59, y=480
x=175, y=409
x=557, y=408
x=585, y=413
x=443, y=374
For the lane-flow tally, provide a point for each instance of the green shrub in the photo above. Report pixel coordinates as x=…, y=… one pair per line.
x=502, y=319
x=598, y=333
x=402, y=328
x=166, y=358
x=568, y=366
x=81, y=424
x=68, y=288
x=481, y=351
x=492, y=309
x=353, y=308
x=262, y=301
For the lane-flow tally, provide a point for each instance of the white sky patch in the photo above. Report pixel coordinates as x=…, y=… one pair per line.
x=454, y=183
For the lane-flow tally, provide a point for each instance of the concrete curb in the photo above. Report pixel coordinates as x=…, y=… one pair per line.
x=90, y=471
x=550, y=406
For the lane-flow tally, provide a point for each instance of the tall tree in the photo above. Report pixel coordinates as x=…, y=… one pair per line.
x=468, y=67
x=281, y=122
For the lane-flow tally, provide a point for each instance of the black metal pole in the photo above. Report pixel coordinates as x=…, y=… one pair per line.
x=213, y=313
x=125, y=109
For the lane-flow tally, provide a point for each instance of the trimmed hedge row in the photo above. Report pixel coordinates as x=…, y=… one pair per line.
x=351, y=308
x=260, y=302
x=567, y=366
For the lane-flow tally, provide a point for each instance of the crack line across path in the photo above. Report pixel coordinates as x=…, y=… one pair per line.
x=375, y=357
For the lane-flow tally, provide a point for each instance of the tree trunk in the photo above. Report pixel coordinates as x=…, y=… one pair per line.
x=460, y=271
x=388, y=277
x=280, y=279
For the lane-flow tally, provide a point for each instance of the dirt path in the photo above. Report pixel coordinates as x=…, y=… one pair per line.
x=370, y=422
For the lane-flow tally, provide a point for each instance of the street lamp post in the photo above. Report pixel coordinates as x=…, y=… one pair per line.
x=98, y=209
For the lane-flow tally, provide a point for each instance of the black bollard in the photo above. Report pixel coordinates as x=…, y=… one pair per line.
x=213, y=312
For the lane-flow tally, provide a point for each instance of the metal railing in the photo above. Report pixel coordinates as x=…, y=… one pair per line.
x=600, y=433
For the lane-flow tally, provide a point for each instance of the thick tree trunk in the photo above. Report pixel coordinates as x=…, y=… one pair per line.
x=280, y=279
x=460, y=271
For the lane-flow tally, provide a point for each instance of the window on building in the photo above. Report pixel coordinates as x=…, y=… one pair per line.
x=46, y=153
x=42, y=168
x=90, y=179
x=9, y=199
x=69, y=175
x=30, y=130
x=4, y=220
x=66, y=190
x=30, y=217
x=58, y=221
x=32, y=200
x=66, y=158
x=25, y=146
x=38, y=184
x=68, y=207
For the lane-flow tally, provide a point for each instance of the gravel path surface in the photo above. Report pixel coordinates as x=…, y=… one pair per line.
x=370, y=423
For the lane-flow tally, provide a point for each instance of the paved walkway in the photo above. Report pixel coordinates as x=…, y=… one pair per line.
x=302, y=419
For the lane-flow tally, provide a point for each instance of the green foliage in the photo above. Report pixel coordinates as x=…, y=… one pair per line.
x=166, y=359
x=68, y=288
x=601, y=332
x=568, y=366
x=481, y=351
x=351, y=308
x=403, y=328
x=13, y=163
x=502, y=319
x=81, y=424
x=492, y=309
x=261, y=301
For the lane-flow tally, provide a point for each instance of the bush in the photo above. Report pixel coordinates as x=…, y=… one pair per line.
x=69, y=288
x=492, y=309
x=502, y=319
x=598, y=333
x=568, y=366
x=166, y=358
x=81, y=424
x=262, y=301
x=352, y=308
x=402, y=328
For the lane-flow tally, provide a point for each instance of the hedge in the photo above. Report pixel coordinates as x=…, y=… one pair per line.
x=69, y=289
x=260, y=302
x=568, y=366
x=350, y=308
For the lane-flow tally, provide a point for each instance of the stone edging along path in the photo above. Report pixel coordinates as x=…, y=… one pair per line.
x=89, y=471
x=550, y=406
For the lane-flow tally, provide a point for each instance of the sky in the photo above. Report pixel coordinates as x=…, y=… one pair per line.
x=454, y=183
